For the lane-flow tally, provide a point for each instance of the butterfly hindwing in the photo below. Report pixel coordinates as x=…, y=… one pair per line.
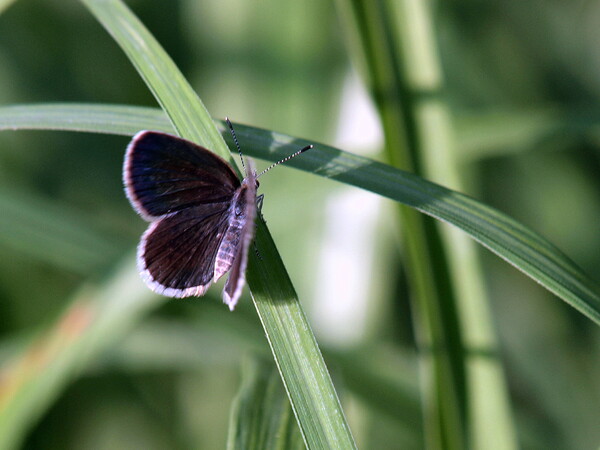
x=164, y=174
x=177, y=253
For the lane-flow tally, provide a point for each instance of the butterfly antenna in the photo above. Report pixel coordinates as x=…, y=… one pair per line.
x=236, y=143
x=287, y=158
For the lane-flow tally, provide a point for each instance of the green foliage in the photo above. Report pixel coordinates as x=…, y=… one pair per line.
x=90, y=358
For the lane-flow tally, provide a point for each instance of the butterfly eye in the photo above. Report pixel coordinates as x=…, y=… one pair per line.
x=257, y=184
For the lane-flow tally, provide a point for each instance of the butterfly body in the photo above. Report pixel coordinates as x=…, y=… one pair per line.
x=201, y=216
x=233, y=251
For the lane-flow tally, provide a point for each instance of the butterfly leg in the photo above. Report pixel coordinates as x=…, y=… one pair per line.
x=259, y=203
x=257, y=252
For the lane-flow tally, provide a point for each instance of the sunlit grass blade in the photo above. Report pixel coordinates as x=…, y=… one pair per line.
x=396, y=63
x=89, y=117
x=478, y=136
x=488, y=416
x=5, y=4
x=294, y=347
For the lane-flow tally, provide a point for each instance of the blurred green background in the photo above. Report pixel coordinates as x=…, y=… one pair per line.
x=523, y=86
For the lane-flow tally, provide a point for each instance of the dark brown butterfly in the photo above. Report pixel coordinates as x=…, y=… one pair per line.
x=201, y=215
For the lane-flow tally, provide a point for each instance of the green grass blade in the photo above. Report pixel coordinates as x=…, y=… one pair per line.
x=478, y=136
x=505, y=132
x=315, y=404
x=53, y=233
x=512, y=241
x=509, y=239
x=5, y=4
x=372, y=33
x=92, y=118
x=292, y=342
x=488, y=421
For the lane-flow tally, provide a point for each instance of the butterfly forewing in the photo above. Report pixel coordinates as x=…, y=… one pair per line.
x=164, y=174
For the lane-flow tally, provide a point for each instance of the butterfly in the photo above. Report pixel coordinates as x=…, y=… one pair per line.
x=201, y=214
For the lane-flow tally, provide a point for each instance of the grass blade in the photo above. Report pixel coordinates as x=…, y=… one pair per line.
x=53, y=233
x=370, y=28
x=507, y=238
x=4, y=4
x=261, y=416
x=92, y=118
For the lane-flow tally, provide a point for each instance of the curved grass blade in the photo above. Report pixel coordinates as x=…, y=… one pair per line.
x=507, y=238
x=514, y=242
x=87, y=117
